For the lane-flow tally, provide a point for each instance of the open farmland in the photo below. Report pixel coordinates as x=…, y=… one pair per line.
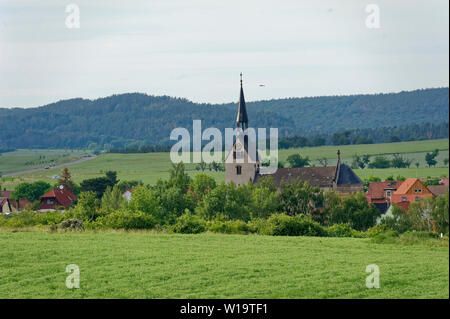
x=152, y=166
x=152, y=265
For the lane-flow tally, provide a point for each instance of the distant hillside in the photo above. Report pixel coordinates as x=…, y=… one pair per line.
x=134, y=118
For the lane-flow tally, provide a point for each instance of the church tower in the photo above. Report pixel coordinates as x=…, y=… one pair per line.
x=241, y=166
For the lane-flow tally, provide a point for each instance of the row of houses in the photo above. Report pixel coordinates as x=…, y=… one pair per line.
x=403, y=193
x=381, y=194
x=57, y=198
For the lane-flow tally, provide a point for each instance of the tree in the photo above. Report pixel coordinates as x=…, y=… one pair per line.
x=31, y=191
x=178, y=177
x=399, y=220
x=112, y=199
x=300, y=197
x=399, y=161
x=296, y=160
x=380, y=162
x=445, y=162
x=66, y=180
x=430, y=158
x=98, y=185
x=356, y=211
x=417, y=164
x=323, y=161
x=86, y=208
x=341, y=138
x=360, y=161
x=202, y=184
x=265, y=199
x=144, y=200
x=226, y=201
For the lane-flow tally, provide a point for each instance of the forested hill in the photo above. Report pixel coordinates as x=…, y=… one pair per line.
x=134, y=118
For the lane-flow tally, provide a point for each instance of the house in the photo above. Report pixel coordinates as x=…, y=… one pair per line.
x=444, y=181
x=56, y=198
x=127, y=194
x=438, y=190
x=5, y=193
x=411, y=190
x=379, y=194
x=5, y=206
x=21, y=204
x=243, y=166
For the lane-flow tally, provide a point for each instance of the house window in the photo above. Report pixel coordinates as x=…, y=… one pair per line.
x=388, y=193
x=403, y=199
x=238, y=170
x=417, y=198
x=50, y=201
x=420, y=190
x=415, y=190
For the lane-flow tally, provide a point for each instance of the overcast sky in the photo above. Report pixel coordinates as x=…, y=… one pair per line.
x=196, y=49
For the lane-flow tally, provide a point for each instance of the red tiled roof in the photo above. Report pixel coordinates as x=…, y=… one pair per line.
x=444, y=181
x=62, y=197
x=406, y=185
x=376, y=189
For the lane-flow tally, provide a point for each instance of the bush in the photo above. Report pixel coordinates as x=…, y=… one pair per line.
x=72, y=224
x=126, y=219
x=343, y=230
x=421, y=234
x=189, y=224
x=379, y=229
x=387, y=237
x=22, y=219
x=229, y=227
x=260, y=226
x=283, y=225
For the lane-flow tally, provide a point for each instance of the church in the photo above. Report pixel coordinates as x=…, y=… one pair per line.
x=242, y=167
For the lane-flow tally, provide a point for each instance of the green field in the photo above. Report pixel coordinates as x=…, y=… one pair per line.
x=29, y=159
x=152, y=265
x=152, y=166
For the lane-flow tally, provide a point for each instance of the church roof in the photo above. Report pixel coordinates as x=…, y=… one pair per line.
x=316, y=176
x=242, y=110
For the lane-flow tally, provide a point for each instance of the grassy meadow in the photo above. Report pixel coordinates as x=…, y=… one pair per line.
x=152, y=166
x=155, y=265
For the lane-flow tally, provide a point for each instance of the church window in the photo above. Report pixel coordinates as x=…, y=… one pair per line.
x=238, y=170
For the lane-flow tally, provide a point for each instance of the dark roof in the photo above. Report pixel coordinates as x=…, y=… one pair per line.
x=438, y=190
x=382, y=207
x=316, y=176
x=347, y=176
x=242, y=110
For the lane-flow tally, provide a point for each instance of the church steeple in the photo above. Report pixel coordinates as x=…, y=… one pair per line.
x=242, y=119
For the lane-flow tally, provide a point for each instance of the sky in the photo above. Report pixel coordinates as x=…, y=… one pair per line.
x=196, y=49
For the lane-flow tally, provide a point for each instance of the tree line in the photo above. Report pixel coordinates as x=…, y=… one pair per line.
x=134, y=119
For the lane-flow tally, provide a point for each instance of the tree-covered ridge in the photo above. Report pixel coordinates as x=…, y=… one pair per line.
x=140, y=119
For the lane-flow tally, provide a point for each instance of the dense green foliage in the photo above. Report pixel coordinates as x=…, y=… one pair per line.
x=138, y=119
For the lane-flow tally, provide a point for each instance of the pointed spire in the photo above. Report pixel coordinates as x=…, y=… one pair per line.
x=242, y=119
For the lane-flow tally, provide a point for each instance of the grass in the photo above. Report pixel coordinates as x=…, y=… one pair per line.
x=152, y=265
x=22, y=159
x=152, y=166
